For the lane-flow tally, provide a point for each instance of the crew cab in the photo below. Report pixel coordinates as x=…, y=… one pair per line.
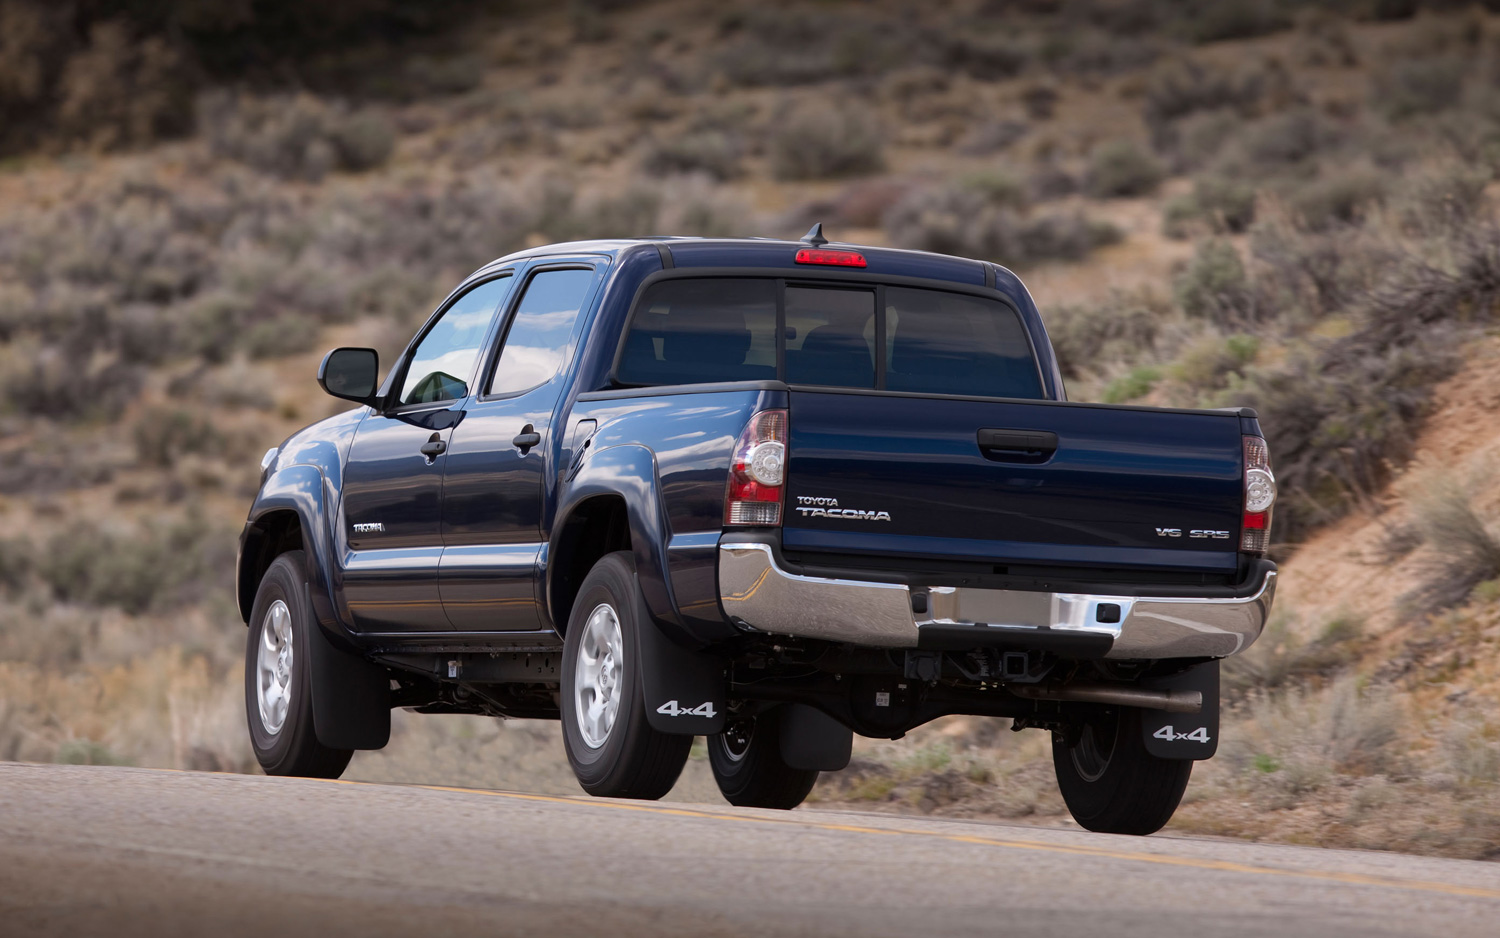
x=770, y=493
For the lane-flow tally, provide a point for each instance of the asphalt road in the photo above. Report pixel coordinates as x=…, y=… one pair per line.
x=121, y=852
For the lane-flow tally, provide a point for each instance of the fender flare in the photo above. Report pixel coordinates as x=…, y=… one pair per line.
x=627, y=471
x=304, y=489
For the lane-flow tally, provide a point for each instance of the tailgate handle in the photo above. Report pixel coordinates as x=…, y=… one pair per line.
x=1018, y=445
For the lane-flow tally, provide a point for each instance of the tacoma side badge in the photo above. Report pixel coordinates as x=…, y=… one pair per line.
x=369, y=527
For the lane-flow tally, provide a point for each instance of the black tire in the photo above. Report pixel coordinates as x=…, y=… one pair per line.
x=288, y=747
x=1109, y=781
x=747, y=764
x=626, y=758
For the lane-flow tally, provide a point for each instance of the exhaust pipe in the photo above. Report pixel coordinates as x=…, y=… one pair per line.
x=1173, y=701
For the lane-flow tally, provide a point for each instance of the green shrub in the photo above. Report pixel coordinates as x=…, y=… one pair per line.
x=1132, y=386
x=822, y=141
x=87, y=752
x=1212, y=362
x=1123, y=168
x=1214, y=285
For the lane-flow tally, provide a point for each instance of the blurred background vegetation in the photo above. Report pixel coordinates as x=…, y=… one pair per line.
x=1286, y=205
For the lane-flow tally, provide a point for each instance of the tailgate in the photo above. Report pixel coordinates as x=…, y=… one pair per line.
x=1013, y=482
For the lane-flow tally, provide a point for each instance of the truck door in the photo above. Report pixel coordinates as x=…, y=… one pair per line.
x=393, y=479
x=499, y=458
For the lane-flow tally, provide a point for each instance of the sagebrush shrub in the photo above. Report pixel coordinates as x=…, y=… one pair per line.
x=713, y=152
x=294, y=136
x=1416, y=87
x=1182, y=87
x=819, y=140
x=1085, y=338
x=1342, y=198
x=959, y=220
x=1123, y=168
x=1463, y=550
x=1221, y=203
x=1214, y=285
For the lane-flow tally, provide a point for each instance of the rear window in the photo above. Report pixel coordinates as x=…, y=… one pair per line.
x=951, y=343
x=692, y=331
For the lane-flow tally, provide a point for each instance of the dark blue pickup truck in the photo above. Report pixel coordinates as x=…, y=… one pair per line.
x=771, y=493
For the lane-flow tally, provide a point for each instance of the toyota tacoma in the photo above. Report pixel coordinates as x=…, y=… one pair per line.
x=770, y=493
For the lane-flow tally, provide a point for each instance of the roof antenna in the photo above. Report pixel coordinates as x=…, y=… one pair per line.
x=814, y=236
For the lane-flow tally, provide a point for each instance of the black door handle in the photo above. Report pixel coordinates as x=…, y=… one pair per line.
x=1018, y=445
x=526, y=439
x=434, y=447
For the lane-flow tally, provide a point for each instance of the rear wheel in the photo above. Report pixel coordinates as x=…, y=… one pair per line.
x=1109, y=781
x=610, y=743
x=747, y=764
x=278, y=677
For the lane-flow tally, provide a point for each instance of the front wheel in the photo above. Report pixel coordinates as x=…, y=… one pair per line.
x=611, y=745
x=1109, y=781
x=747, y=764
x=278, y=677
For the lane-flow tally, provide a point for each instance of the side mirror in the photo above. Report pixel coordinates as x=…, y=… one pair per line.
x=350, y=373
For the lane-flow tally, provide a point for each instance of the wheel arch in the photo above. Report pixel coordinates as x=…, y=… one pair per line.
x=615, y=492
x=295, y=498
x=272, y=534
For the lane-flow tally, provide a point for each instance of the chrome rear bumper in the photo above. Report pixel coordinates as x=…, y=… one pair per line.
x=758, y=594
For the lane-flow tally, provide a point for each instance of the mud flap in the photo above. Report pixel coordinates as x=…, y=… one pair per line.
x=351, y=697
x=684, y=691
x=811, y=739
x=1185, y=735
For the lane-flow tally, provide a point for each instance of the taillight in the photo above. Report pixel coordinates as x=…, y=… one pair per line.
x=830, y=258
x=1260, y=496
x=757, y=474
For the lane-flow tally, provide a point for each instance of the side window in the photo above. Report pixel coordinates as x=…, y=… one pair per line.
x=830, y=337
x=444, y=361
x=542, y=330
x=694, y=331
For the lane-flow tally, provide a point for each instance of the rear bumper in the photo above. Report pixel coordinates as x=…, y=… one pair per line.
x=759, y=595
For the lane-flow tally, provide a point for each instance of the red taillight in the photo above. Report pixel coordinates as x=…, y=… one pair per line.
x=757, y=473
x=830, y=258
x=1259, y=497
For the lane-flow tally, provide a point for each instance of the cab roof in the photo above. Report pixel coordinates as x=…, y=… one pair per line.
x=778, y=253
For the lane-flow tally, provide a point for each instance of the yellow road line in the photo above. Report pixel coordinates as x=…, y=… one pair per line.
x=1228, y=866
